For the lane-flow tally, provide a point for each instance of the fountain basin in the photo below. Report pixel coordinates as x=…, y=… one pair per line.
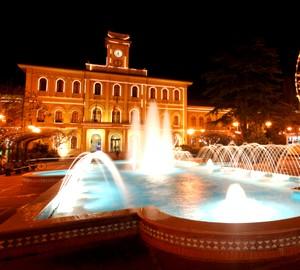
x=220, y=242
x=48, y=177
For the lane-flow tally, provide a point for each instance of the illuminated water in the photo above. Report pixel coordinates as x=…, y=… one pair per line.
x=191, y=193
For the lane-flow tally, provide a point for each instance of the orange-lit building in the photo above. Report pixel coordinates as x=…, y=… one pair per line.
x=94, y=107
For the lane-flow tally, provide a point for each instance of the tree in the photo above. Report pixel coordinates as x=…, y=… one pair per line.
x=247, y=82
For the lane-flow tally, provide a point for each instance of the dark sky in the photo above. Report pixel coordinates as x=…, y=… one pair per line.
x=172, y=41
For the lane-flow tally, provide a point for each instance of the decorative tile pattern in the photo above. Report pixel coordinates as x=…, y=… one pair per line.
x=107, y=230
x=200, y=243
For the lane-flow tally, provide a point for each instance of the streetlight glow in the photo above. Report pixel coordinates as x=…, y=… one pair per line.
x=190, y=131
x=268, y=124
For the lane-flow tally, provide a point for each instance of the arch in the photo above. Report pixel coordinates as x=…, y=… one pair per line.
x=152, y=93
x=75, y=117
x=96, y=114
x=116, y=115
x=76, y=87
x=193, y=121
x=97, y=88
x=43, y=84
x=176, y=94
x=115, y=142
x=58, y=116
x=165, y=94
x=73, y=142
x=134, y=116
x=40, y=116
x=176, y=120
x=60, y=86
x=201, y=121
x=134, y=91
x=116, y=90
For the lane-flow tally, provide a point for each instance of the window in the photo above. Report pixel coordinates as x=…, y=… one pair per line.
x=134, y=116
x=97, y=89
x=176, y=95
x=193, y=121
x=134, y=91
x=60, y=86
x=96, y=115
x=117, y=90
x=165, y=94
x=201, y=121
x=73, y=142
x=115, y=143
x=42, y=84
x=76, y=87
x=40, y=116
x=152, y=93
x=176, y=120
x=116, y=116
x=75, y=117
x=58, y=117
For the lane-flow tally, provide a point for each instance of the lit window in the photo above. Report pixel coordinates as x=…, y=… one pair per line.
x=134, y=91
x=152, y=93
x=42, y=84
x=176, y=95
x=73, y=142
x=40, y=116
x=97, y=89
x=116, y=116
x=193, y=121
x=165, y=94
x=76, y=87
x=176, y=120
x=96, y=114
x=58, y=117
x=75, y=117
x=60, y=86
x=117, y=90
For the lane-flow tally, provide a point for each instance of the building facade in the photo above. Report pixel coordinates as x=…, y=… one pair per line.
x=95, y=107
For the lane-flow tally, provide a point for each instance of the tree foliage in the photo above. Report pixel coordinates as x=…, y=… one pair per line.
x=247, y=81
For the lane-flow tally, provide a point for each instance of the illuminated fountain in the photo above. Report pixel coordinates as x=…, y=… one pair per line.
x=155, y=155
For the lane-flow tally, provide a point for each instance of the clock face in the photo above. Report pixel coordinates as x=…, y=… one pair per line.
x=118, y=53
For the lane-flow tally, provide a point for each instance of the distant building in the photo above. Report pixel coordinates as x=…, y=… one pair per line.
x=95, y=106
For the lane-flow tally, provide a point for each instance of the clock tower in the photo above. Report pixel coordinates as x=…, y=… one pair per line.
x=117, y=46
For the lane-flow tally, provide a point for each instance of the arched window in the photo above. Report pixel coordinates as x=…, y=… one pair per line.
x=76, y=87
x=96, y=114
x=73, y=142
x=75, y=117
x=201, y=121
x=60, y=86
x=193, y=121
x=117, y=90
x=115, y=143
x=116, y=116
x=42, y=84
x=134, y=91
x=152, y=93
x=176, y=120
x=134, y=116
x=40, y=116
x=176, y=95
x=97, y=89
x=58, y=117
x=165, y=94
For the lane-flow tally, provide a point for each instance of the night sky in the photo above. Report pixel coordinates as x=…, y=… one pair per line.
x=175, y=41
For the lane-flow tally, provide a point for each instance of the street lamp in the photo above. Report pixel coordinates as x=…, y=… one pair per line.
x=190, y=132
x=268, y=124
